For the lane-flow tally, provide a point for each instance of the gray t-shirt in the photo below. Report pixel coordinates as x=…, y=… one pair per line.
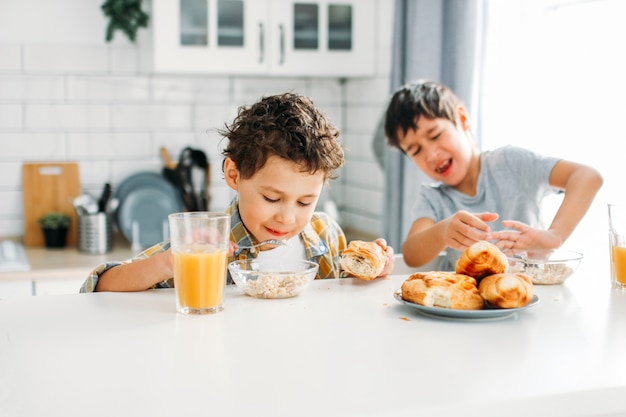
x=512, y=182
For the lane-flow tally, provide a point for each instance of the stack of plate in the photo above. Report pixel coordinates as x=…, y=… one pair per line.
x=145, y=201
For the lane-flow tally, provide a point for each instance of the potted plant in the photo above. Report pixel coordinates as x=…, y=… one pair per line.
x=54, y=226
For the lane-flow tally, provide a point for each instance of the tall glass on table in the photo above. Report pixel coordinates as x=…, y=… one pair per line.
x=199, y=242
x=617, y=241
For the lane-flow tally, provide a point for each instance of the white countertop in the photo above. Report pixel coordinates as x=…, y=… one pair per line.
x=65, y=262
x=343, y=348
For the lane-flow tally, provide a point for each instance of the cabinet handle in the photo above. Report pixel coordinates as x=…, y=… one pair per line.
x=281, y=29
x=261, y=43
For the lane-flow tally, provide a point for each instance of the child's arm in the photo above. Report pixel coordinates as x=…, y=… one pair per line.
x=580, y=183
x=138, y=275
x=426, y=239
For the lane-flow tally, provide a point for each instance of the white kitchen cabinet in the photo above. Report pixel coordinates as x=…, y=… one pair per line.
x=333, y=38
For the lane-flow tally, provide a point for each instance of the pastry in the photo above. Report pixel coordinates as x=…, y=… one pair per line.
x=506, y=290
x=481, y=259
x=442, y=289
x=363, y=260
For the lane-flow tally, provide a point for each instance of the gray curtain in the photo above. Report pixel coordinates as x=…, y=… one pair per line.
x=441, y=40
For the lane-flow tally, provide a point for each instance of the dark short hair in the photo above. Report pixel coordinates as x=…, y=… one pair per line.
x=414, y=100
x=288, y=126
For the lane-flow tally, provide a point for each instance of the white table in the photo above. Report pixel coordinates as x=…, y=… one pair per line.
x=343, y=348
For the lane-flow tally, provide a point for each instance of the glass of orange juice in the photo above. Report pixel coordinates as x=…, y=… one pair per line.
x=617, y=241
x=199, y=242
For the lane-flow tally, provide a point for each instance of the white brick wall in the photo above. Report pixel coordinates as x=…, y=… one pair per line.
x=65, y=94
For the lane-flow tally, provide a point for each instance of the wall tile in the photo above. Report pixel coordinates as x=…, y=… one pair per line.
x=367, y=91
x=151, y=117
x=358, y=147
x=207, y=119
x=124, y=59
x=10, y=174
x=108, y=89
x=20, y=146
x=195, y=89
x=174, y=142
x=249, y=90
x=11, y=58
x=363, y=119
x=10, y=116
x=93, y=175
x=10, y=226
x=12, y=204
x=70, y=59
x=26, y=88
x=366, y=174
x=327, y=92
x=66, y=116
x=104, y=146
x=362, y=223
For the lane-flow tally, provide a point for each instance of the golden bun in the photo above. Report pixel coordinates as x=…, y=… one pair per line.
x=363, y=260
x=442, y=289
x=480, y=260
x=506, y=290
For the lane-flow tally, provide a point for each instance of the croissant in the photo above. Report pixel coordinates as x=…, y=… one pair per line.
x=363, y=260
x=481, y=259
x=442, y=289
x=506, y=290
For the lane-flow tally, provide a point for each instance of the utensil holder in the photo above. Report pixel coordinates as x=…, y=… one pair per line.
x=95, y=233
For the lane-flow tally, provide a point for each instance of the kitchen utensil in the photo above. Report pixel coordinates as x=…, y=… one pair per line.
x=252, y=248
x=47, y=187
x=104, y=198
x=85, y=204
x=183, y=169
x=169, y=171
x=167, y=160
x=199, y=178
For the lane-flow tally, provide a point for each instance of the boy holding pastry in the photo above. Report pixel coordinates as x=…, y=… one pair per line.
x=281, y=152
x=491, y=195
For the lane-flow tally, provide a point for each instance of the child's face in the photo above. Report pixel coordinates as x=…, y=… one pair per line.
x=440, y=149
x=277, y=202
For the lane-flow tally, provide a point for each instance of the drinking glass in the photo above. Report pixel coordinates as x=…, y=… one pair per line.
x=199, y=242
x=617, y=242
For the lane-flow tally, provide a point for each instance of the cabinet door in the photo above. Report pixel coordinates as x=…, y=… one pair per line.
x=210, y=36
x=323, y=37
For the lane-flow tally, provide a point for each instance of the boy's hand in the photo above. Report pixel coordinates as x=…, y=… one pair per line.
x=523, y=238
x=390, y=261
x=465, y=228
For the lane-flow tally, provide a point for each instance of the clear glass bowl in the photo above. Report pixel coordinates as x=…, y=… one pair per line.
x=554, y=269
x=271, y=280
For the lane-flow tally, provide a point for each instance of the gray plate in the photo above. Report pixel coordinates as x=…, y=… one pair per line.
x=147, y=199
x=486, y=313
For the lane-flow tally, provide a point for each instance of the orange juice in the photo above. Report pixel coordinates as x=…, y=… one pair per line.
x=199, y=279
x=618, y=264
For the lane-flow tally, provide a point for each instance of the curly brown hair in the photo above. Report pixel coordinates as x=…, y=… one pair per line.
x=288, y=126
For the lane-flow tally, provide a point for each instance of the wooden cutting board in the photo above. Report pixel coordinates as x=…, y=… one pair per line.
x=48, y=186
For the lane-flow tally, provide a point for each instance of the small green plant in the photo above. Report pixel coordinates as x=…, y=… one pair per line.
x=54, y=220
x=124, y=15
